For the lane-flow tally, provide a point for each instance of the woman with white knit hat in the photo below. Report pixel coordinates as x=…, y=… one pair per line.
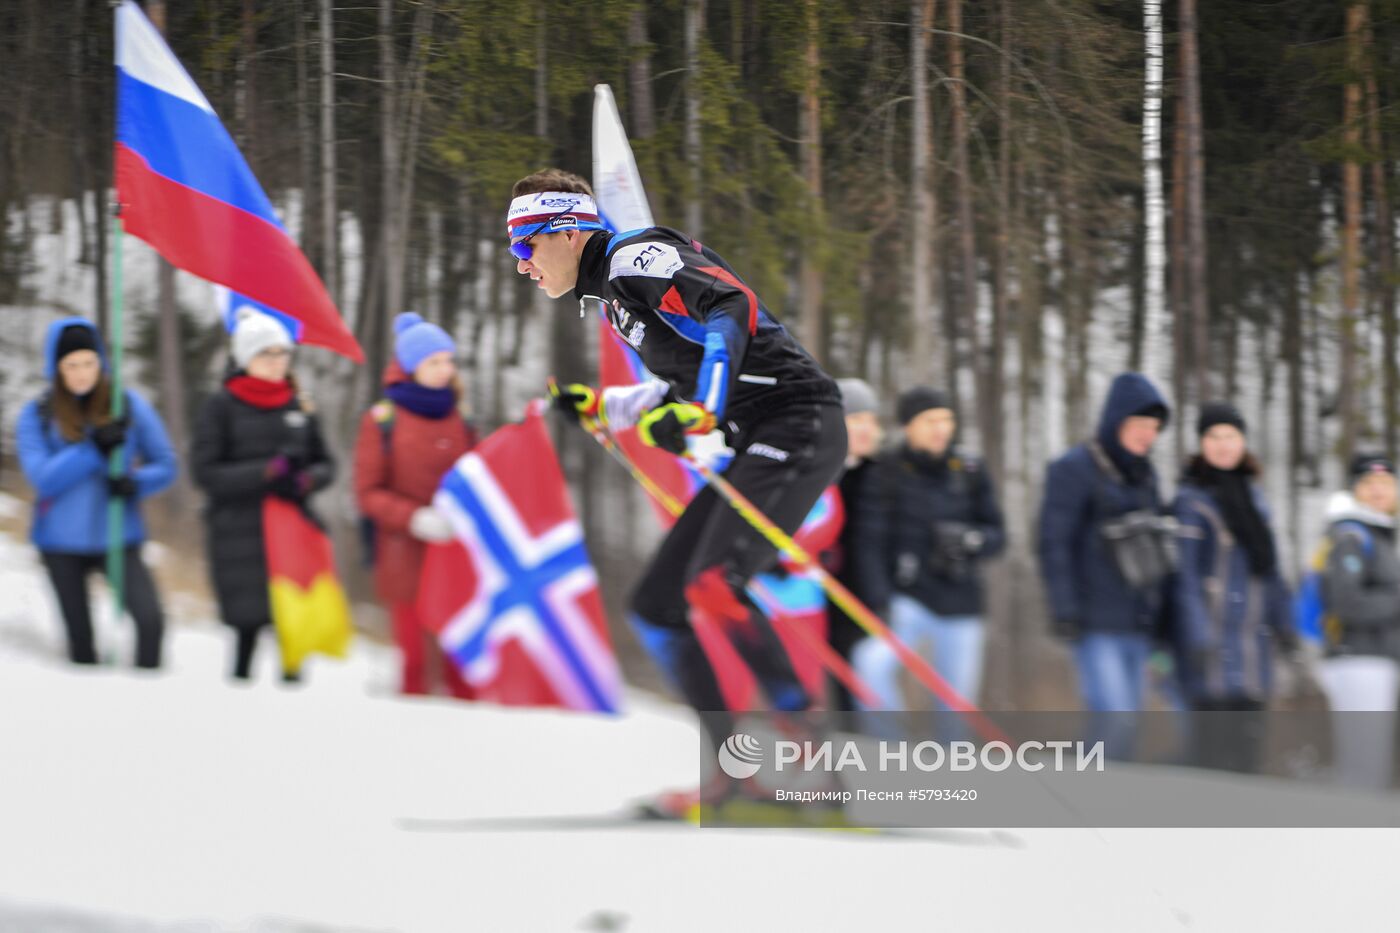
x=254, y=438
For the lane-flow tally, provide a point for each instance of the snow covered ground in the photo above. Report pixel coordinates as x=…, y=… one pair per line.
x=179, y=803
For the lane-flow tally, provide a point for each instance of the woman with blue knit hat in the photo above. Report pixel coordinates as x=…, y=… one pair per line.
x=407, y=441
x=255, y=438
x=65, y=440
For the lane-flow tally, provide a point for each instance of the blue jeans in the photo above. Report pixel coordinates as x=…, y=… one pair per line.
x=952, y=645
x=1112, y=672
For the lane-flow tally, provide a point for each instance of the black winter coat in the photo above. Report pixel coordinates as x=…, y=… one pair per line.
x=912, y=509
x=233, y=443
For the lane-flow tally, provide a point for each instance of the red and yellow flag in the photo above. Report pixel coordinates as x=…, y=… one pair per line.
x=309, y=607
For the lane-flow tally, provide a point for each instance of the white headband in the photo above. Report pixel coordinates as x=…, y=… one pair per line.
x=552, y=210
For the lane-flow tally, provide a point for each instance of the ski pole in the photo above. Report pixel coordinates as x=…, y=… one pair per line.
x=847, y=601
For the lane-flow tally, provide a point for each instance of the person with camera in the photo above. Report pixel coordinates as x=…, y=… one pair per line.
x=1107, y=554
x=928, y=517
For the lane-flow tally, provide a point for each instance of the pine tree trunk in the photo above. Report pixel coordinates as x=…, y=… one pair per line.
x=330, y=239
x=694, y=31
x=1347, y=400
x=993, y=444
x=813, y=325
x=1183, y=332
x=170, y=352
x=306, y=157
x=967, y=234
x=1196, y=281
x=927, y=362
x=390, y=147
x=1293, y=355
x=247, y=92
x=1385, y=252
x=83, y=181
x=639, y=74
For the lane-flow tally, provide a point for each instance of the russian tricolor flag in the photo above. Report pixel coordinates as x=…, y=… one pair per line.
x=185, y=189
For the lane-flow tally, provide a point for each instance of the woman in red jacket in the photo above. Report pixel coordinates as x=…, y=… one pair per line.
x=407, y=441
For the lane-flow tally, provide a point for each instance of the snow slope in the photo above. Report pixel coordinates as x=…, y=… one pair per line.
x=177, y=802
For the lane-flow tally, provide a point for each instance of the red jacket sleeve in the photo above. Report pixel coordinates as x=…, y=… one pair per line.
x=388, y=509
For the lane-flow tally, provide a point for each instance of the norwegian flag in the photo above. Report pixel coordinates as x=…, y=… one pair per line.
x=514, y=601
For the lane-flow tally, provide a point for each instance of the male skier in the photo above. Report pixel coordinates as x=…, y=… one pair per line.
x=723, y=368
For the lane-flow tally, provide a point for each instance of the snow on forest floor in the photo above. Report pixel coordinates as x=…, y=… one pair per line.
x=177, y=802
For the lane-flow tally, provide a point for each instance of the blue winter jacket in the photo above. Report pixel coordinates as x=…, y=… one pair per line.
x=1082, y=583
x=1224, y=615
x=70, y=478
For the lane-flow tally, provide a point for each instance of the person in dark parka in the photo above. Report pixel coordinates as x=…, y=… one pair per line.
x=254, y=438
x=1232, y=607
x=928, y=518
x=1091, y=604
x=1232, y=604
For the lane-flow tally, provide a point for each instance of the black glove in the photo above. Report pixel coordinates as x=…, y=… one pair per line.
x=109, y=436
x=121, y=487
x=1064, y=627
x=293, y=486
x=285, y=479
x=574, y=400
x=666, y=426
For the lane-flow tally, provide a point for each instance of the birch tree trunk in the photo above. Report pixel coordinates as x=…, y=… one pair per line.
x=1154, y=213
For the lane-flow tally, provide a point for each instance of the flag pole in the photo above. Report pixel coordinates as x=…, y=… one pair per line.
x=116, y=507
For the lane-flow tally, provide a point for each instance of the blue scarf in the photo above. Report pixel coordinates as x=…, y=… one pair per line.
x=419, y=399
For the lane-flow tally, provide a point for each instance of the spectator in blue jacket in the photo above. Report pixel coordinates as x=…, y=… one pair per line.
x=1232, y=606
x=65, y=438
x=1109, y=617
